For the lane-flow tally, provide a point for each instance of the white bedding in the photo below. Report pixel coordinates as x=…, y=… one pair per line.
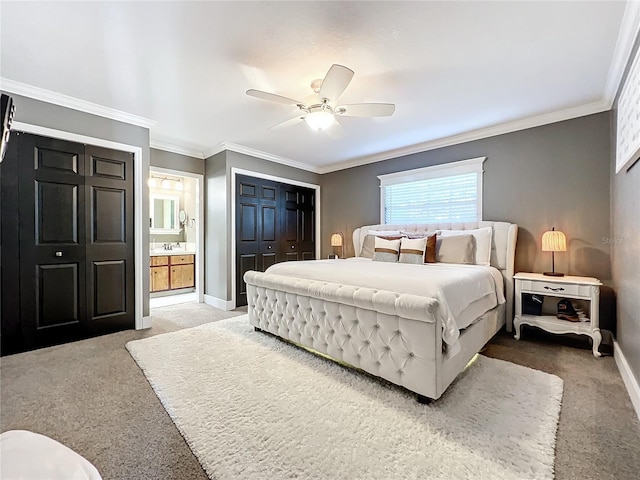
x=464, y=292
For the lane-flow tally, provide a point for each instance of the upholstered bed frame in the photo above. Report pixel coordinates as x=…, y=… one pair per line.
x=392, y=335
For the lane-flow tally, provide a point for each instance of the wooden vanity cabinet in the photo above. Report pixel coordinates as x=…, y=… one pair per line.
x=171, y=272
x=159, y=273
x=182, y=271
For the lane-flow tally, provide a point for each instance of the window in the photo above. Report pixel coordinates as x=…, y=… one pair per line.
x=451, y=192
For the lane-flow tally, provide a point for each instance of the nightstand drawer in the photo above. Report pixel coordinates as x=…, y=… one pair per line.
x=556, y=289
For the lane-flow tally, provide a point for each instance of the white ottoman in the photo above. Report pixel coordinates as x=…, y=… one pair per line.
x=27, y=455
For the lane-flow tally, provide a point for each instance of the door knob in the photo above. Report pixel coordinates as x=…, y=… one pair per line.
x=58, y=254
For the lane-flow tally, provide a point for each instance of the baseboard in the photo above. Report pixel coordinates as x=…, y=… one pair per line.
x=146, y=322
x=628, y=378
x=218, y=302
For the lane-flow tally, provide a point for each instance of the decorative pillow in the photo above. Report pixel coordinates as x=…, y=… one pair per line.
x=368, y=245
x=412, y=250
x=456, y=249
x=430, y=252
x=386, y=250
x=483, y=238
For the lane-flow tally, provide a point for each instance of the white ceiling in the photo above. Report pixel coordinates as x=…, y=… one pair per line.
x=453, y=69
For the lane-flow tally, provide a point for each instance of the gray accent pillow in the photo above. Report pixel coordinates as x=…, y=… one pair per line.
x=386, y=250
x=456, y=249
x=368, y=246
x=412, y=250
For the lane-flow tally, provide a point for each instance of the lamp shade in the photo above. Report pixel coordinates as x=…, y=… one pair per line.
x=336, y=240
x=554, y=241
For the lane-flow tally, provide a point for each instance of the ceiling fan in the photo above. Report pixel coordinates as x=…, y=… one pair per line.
x=320, y=110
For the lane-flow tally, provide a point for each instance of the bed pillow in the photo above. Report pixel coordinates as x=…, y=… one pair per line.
x=482, y=237
x=456, y=249
x=386, y=250
x=430, y=252
x=412, y=250
x=368, y=245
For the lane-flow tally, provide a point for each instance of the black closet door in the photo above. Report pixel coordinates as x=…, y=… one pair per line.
x=52, y=231
x=298, y=223
x=257, y=229
x=73, y=205
x=275, y=222
x=109, y=240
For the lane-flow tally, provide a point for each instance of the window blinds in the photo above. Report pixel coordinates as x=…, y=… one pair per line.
x=452, y=198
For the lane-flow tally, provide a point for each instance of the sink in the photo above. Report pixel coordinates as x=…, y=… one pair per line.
x=173, y=250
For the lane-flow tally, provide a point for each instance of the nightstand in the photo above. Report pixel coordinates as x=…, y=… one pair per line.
x=578, y=288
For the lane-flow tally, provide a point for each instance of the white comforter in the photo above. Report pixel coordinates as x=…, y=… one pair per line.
x=455, y=287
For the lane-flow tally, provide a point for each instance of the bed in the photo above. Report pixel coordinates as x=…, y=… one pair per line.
x=395, y=321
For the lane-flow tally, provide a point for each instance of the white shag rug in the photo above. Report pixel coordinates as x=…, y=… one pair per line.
x=251, y=406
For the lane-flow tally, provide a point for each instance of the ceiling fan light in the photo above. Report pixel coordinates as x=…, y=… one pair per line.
x=319, y=120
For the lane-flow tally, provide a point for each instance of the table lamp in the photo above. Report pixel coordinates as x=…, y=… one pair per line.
x=337, y=241
x=554, y=241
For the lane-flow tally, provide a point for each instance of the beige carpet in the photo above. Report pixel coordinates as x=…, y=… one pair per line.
x=251, y=406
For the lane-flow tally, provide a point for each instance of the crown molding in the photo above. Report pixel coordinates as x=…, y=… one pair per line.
x=179, y=149
x=37, y=93
x=234, y=147
x=219, y=147
x=500, y=129
x=629, y=30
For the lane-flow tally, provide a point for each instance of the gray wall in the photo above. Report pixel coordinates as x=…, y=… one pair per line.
x=553, y=175
x=175, y=161
x=218, y=202
x=625, y=251
x=44, y=114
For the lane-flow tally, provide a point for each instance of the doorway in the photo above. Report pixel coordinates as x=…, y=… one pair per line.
x=176, y=210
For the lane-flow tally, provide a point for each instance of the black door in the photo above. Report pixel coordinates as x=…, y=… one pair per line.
x=275, y=222
x=109, y=240
x=75, y=243
x=52, y=247
x=298, y=223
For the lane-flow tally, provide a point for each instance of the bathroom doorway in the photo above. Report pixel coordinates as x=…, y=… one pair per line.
x=176, y=235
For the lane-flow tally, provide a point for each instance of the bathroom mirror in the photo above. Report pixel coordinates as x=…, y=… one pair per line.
x=163, y=213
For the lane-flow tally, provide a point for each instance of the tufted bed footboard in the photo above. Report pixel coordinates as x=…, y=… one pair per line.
x=394, y=336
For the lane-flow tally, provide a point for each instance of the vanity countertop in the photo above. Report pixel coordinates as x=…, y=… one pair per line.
x=165, y=253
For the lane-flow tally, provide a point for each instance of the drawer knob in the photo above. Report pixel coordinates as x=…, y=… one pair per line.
x=58, y=254
x=559, y=289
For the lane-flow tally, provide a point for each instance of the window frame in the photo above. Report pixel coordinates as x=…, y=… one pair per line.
x=472, y=165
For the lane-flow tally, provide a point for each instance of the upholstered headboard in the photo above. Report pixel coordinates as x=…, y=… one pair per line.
x=503, y=247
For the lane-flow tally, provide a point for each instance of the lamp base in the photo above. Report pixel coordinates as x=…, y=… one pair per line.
x=553, y=274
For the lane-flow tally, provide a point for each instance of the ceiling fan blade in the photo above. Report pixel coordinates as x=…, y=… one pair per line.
x=335, y=82
x=287, y=123
x=335, y=131
x=272, y=97
x=366, y=110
